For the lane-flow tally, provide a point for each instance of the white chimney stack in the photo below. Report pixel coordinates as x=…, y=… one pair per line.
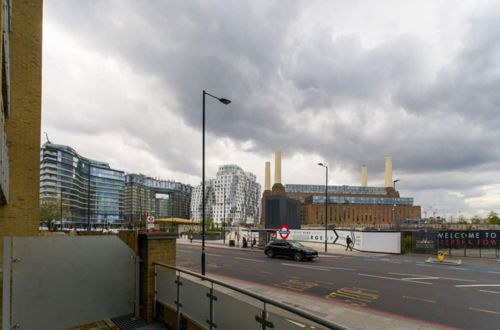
x=388, y=172
x=277, y=167
x=364, y=176
x=267, y=182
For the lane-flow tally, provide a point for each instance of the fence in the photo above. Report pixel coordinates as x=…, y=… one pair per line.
x=215, y=304
x=60, y=282
x=475, y=243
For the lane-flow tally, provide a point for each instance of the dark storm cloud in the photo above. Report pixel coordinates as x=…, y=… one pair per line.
x=431, y=120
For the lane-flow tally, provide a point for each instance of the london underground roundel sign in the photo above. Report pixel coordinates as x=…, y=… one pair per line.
x=284, y=232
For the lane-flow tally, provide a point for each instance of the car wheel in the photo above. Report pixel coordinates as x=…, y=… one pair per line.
x=270, y=253
x=297, y=256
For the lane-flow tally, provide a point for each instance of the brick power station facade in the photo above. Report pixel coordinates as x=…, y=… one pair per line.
x=353, y=206
x=21, y=92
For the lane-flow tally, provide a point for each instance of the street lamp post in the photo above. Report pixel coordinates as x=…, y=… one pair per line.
x=88, y=199
x=61, y=206
x=224, y=101
x=224, y=216
x=326, y=205
x=394, y=183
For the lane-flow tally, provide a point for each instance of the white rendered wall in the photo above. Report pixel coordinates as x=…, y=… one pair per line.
x=384, y=242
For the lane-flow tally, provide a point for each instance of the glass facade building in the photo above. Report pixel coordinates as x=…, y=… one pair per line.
x=145, y=195
x=86, y=190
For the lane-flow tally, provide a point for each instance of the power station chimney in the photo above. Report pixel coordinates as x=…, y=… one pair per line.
x=277, y=167
x=388, y=172
x=364, y=176
x=267, y=182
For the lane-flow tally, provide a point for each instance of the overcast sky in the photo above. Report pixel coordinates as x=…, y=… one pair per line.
x=342, y=82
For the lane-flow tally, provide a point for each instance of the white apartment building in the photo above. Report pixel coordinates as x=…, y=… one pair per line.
x=232, y=197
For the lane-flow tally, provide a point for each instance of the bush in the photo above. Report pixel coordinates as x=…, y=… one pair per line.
x=406, y=245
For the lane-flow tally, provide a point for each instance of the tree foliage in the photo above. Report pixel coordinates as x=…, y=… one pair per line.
x=49, y=210
x=493, y=218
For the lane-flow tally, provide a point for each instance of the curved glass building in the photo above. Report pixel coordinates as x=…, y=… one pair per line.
x=87, y=191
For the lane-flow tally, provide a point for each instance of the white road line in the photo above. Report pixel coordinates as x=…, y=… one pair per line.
x=483, y=310
x=183, y=251
x=420, y=299
x=394, y=279
x=490, y=291
x=339, y=268
x=213, y=255
x=248, y=259
x=307, y=267
x=427, y=277
x=474, y=285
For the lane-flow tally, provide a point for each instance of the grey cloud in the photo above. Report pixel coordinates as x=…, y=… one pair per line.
x=432, y=122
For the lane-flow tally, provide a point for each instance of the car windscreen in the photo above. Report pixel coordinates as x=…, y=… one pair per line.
x=296, y=244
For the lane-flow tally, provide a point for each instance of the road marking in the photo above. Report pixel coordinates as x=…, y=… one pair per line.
x=420, y=299
x=483, y=310
x=354, y=296
x=339, y=268
x=325, y=282
x=394, y=279
x=213, y=255
x=474, y=285
x=248, y=259
x=296, y=285
x=295, y=277
x=307, y=267
x=427, y=277
x=267, y=273
x=184, y=251
x=490, y=291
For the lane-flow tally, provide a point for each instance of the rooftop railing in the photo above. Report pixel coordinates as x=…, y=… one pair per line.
x=214, y=304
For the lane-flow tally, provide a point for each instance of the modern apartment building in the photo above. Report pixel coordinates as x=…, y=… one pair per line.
x=88, y=191
x=91, y=192
x=232, y=197
x=20, y=116
x=160, y=198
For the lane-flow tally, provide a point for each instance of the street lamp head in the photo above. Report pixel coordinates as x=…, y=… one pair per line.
x=321, y=164
x=397, y=180
x=225, y=101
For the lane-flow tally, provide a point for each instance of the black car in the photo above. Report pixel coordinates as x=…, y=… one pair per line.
x=292, y=249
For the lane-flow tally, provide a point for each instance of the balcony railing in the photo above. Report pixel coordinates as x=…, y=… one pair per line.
x=214, y=304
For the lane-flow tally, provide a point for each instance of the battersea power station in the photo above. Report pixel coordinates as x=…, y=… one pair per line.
x=355, y=206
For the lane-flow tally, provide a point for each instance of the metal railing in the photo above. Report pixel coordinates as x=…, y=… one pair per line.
x=263, y=320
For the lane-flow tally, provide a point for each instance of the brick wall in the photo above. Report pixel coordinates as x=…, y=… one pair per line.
x=153, y=247
x=20, y=216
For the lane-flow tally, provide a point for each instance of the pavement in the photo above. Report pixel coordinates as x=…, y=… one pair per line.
x=338, y=312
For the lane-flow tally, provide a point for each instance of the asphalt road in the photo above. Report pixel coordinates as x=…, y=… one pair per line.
x=450, y=296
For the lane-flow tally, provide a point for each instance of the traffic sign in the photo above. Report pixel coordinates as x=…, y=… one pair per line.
x=284, y=232
x=150, y=219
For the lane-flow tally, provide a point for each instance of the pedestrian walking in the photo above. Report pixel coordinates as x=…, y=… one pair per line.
x=254, y=242
x=348, y=241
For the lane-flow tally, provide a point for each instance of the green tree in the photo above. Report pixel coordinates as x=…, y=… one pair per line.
x=49, y=210
x=475, y=220
x=493, y=218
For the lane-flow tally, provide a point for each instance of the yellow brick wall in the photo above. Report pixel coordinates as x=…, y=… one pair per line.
x=20, y=216
x=153, y=247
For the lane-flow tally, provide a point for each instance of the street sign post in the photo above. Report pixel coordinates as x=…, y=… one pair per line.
x=150, y=222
